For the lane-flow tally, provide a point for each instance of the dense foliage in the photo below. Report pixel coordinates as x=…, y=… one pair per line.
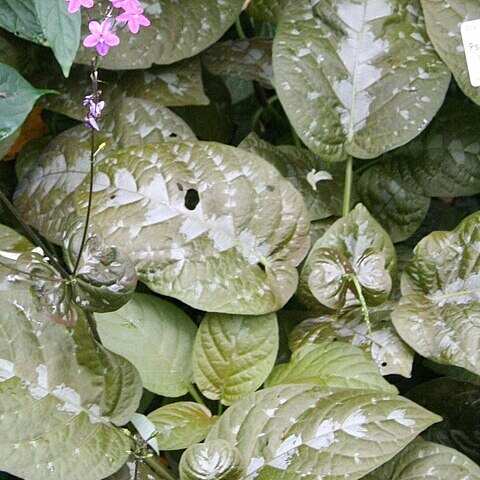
x=242, y=242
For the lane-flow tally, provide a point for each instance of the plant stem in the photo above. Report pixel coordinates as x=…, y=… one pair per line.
x=219, y=408
x=33, y=236
x=93, y=327
x=239, y=28
x=94, y=78
x=159, y=469
x=193, y=392
x=363, y=303
x=347, y=192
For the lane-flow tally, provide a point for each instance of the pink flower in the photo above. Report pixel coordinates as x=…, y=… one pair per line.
x=74, y=5
x=102, y=37
x=126, y=4
x=134, y=19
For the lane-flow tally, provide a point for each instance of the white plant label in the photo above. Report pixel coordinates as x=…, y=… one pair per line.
x=471, y=43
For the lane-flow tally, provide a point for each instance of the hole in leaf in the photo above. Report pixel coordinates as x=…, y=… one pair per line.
x=113, y=196
x=173, y=135
x=383, y=364
x=270, y=188
x=180, y=187
x=334, y=339
x=262, y=266
x=191, y=199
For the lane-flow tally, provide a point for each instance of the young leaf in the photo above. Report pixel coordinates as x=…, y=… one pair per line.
x=146, y=429
x=16, y=101
x=191, y=215
x=354, y=245
x=266, y=10
x=331, y=365
x=438, y=313
x=234, y=354
x=357, y=78
x=384, y=345
x=62, y=395
x=214, y=460
x=157, y=337
x=179, y=29
x=60, y=29
x=421, y=460
x=305, y=431
x=443, y=19
x=457, y=402
x=181, y=424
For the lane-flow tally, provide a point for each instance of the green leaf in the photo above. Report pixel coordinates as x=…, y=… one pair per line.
x=305, y=431
x=146, y=429
x=249, y=59
x=215, y=460
x=357, y=78
x=20, y=17
x=266, y=10
x=16, y=100
x=60, y=29
x=354, y=245
x=443, y=19
x=438, y=313
x=331, y=365
x=190, y=215
x=457, y=403
x=421, y=460
x=179, y=29
x=181, y=424
x=384, y=345
x=62, y=394
x=234, y=354
x=157, y=337
x=295, y=164
x=397, y=208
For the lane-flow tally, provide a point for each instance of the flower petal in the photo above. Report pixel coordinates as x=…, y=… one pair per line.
x=102, y=48
x=111, y=39
x=90, y=41
x=95, y=28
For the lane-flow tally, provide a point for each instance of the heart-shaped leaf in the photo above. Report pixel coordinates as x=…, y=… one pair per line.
x=16, y=100
x=331, y=365
x=421, y=460
x=179, y=29
x=214, y=460
x=354, y=246
x=234, y=354
x=157, y=337
x=443, y=19
x=191, y=215
x=295, y=430
x=250, y=59
x=384, y=345
x=438, y=313
x=181, y=424
x=457, y=403
x=62, y=394
x=357, y=78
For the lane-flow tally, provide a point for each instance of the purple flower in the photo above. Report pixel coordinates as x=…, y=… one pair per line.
x=134, y=19
x=74, y=5
x=95, y=110
x=102, y=37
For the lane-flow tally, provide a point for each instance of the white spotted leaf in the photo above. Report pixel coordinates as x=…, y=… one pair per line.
x=179, y=29
x=62, y=395
x=331, y=365
x=305, y=431
x=157, y=337
x=357, y=78
x=209, y=224
x=426, y=460
x=234, y=354
x=391, y=354
x=438, y=312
